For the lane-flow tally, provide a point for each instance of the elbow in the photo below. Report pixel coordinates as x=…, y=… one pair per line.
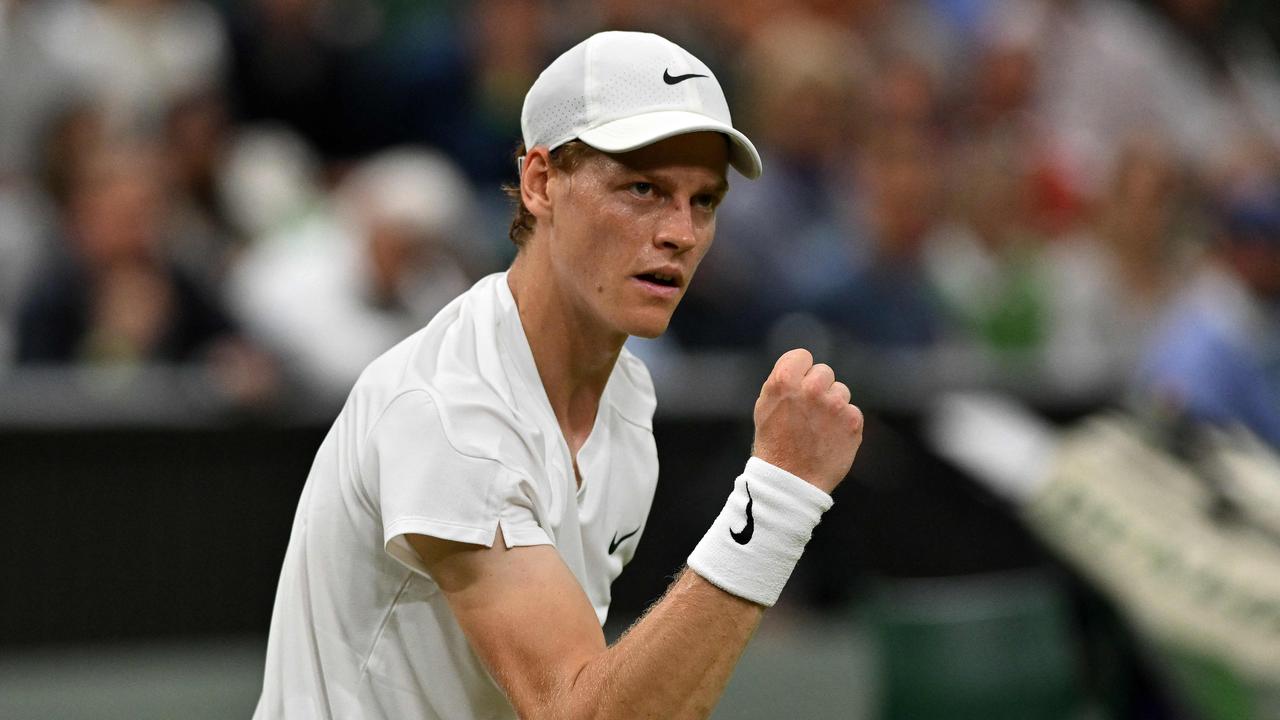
x=560, y=710
x=572, y=700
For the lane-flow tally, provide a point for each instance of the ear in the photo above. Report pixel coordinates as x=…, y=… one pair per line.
x=535, y=188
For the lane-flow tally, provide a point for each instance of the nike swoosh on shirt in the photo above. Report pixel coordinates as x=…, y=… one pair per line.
x=619, y=540
x=743, y=536
x=670, y=79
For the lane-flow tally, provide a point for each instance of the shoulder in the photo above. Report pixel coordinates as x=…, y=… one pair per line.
x=455, y=365
x=418, y=448
x=446, y=347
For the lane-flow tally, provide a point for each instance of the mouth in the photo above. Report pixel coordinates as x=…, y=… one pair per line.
x=662, y=279
x=664, y=284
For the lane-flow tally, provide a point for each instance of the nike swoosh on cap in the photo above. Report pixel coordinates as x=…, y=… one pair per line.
x=670, y=79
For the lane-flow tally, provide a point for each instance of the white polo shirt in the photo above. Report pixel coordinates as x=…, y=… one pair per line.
x=448, y=434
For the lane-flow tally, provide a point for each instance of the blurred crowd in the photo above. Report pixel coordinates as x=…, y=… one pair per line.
x=279, y=190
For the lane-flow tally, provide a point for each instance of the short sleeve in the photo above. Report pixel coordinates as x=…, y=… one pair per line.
x=423, y=485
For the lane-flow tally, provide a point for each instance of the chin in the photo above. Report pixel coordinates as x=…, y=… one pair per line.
x=648, y=328
x=648, y=334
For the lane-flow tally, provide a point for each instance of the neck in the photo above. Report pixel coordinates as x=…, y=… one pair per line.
x=573, y=354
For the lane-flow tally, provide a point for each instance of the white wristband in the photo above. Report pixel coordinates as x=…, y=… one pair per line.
x=754, y=544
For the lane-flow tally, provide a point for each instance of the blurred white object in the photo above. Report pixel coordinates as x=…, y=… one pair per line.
x=996, y=440
x=30, y=88
x=269, y=178
x=417, y=188
x=136, y=57
x=331, y=292
x=1147, y=528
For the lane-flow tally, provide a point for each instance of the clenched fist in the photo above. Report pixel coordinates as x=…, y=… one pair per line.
x=804, y=422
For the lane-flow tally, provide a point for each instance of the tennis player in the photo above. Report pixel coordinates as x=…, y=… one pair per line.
x=490, y=476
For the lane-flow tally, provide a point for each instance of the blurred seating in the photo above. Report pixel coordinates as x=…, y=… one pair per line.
x=975, y=648
x=954, y=177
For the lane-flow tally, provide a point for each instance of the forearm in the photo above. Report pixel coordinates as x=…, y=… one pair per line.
x=676, y=660
x=673, y=663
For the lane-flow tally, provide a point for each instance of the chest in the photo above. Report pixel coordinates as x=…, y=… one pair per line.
x=596, y=524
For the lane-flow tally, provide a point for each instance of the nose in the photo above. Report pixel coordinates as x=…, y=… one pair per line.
x=676, y=228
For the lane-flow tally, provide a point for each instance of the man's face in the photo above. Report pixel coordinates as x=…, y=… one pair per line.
x=629, y=230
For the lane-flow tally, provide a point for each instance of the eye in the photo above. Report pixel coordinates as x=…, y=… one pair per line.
x=643, y=189
x=706, y=201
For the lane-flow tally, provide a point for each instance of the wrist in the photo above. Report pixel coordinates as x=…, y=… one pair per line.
x=755, y=542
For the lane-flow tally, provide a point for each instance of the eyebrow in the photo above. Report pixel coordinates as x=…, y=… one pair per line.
x=720, y=189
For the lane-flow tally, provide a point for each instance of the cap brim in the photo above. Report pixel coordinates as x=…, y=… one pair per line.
x=638, y=131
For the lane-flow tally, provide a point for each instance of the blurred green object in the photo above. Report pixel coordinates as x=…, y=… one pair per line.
x=1215, y=691
x=975, y=648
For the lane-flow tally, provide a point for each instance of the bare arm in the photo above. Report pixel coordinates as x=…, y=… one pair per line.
x=533, y=627
x=529, y=621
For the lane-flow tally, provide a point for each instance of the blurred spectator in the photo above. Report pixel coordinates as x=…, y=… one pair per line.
x=1230, y=61
x=895, y=29
x=987, y=262
x=109, y=295
x=803, y=77
x=998, y=101
x=294, y=62
x=1121, y=274
x=1000, y=91
x=332, y=292
x=1215, y=356
x=1017, y=174
x=134, y=56
x=457, y=82
x=29, y=88
x=887, y=299
x=904, y=95
x=21, y=216
x=1109, y=70
x=268, y=180
x=507, y=44
x=195, y=145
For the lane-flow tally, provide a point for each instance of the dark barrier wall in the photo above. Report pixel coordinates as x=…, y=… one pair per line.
x=131, y=533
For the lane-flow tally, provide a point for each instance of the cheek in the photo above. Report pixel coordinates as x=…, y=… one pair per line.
x=592, y=245
x=612, y=235
x=706, y=239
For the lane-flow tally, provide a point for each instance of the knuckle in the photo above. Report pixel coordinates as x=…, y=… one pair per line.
x=856, y=419
x=778, y=380
x=824, y=371
x=780, y=387
x=798, y=357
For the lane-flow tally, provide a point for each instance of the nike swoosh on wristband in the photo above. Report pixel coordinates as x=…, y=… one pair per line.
x=619, y=540
x=670, y=79
x=743, y=536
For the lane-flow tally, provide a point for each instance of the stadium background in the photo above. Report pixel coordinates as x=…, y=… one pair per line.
x=212, y=214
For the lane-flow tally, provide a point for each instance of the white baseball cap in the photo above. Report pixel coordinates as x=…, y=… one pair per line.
x=618, y=91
